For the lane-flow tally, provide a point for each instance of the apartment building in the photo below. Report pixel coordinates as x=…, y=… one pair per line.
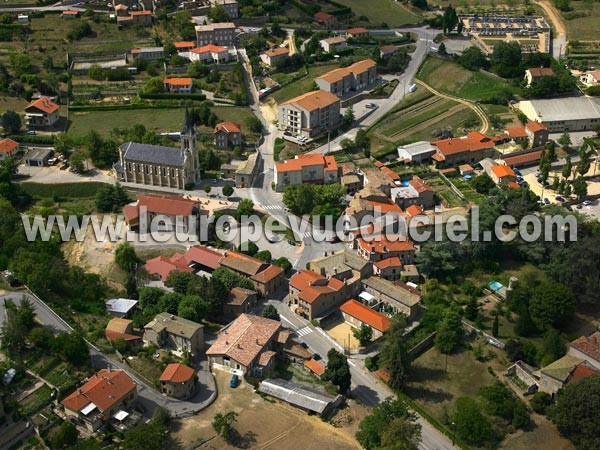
x=307, y=168
x=355, y=77
x=216, y=33
x=311, y=114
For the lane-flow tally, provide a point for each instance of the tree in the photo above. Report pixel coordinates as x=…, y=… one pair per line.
x=71, y=347
x=338, y=371
x=283, y=262
x=567, y=168
x=473, y=59
x=218, y=14
x=495, y=326
x=483, y=183
x=472, y=309
x=554, y=347
x=388, y=426
x=348, y=117
x=264, y=255
x=179, y=281
x=245, y=207
x=577, y=411
x=251, y=249
x=540, y=402
x=11, y=122
x=449, y=333
x=149, y=436
x=254, y=124
x=363, y=334
x=125, y=257
x=154, y=85
x=551, y=305
x=442, y=49
x=506, y=59
x=20, y=63
x=13, y=331
x=449, y=19
x=470, y=423
x=77, y=160
x=270, y=312
x=563, y=5
x=362, y=139
x=223, y=423
x=63, y=436
x=394, y=353
x=193, y=308
x=207, y=188
x=580, y=187
x=41, y=337
x=227, y=190
x=565, y=140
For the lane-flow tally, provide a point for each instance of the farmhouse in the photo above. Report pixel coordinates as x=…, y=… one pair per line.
x=314, y=295
x=249, y=344
x=266, y=278
x=178, y=85
x=333, y=44
x=175, y=333
x=100, y=398
x=180, y=211
x=8, y=148
x=327, y=20
x=178, y=381
x=357, y=33
x=534, y=74
x=311, y=114
x=209, y=53
x=466, y=149
x=228, y=135
x=387, y=51
x=122, y=329
x=357, y=315
x=148, y=53
x=392, y=298
x=307, y=168
x=275, y=57
x=42, y=112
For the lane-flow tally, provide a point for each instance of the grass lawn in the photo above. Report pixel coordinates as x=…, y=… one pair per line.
x=382, y=11
x=238, y=114
x=451, y=78
x=582, y=22
x=303, y=85
x=435, y=388
x=69, y=190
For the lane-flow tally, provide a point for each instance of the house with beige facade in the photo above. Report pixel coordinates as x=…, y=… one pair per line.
x=175, y=333
x=391, y=298
x=178, y=381
x=311, y=114
x=221, y=34
x=275, y=56
x=307, y=168
x=42, y=112
x=354, y=78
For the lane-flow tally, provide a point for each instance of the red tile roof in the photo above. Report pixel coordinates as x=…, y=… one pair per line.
x=385, y=208
x=516, y=132
x=177, y=373
x=392, y=261
x=541, y=72
x=314, y=100
x=588, y=345
x=105, y=389
x=322, y=16
x=203, y=255
x=502, y=171
x=44, y=104
x=472, y=142
x=315, y=367
x=313, y=159
x=522, y=159
x=8, y=145
x=184, y=44
x=312, y=285
x=366, y=315
x=245, y=338
x=270, y=273
x=178, y=81
x=420, y=185
x=358, y=30
x=163, y=266
x=583, y=371
x=384, y=374
x=408, y=288
x=141, y=13
x=389, y=172
x=229, y=127
x=277, y=52
x=209, y=48
x=535, y=126
x=384, y=245
x=414, y=210
x=161, y=204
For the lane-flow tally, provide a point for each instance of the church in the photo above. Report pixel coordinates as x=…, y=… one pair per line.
x=157, y=165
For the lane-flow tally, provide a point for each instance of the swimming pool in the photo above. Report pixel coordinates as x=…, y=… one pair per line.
x=495, y=285
x=405, y=183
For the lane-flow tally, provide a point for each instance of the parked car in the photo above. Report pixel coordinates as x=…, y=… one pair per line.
x=315, y=356
x=578, y=206
x=517, y=172
x=214, y=181
x=560, y=198
x=304, y=344
x=287, y=133
x=587, y=203
x=370, y=106
x=31, y=132
x=234, y=381
x=546, y=201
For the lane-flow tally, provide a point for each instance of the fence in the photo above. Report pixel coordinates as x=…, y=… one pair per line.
x=422, y=346
x=491, y=339
x=451, y=185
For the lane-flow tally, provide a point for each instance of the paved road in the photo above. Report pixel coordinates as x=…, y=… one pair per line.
x=148, y=396
x=559, y=43
x=365, y=386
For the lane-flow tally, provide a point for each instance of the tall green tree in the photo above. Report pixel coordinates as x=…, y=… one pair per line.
x=223, y=424
x=470, y=423
x=376, y=429
x=11, y=122
x=551, y=305
x=449, y=333
x=338, y=371
x=394, y=353
x=363, y=334
x=125, y=257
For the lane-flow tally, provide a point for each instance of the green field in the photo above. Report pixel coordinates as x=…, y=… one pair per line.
x=69, y=190
x=382, y=11
x=303, y=85
x=451, y=78
x=583, y=23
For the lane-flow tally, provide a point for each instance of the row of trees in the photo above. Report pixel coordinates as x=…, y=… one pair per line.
x=321, y=200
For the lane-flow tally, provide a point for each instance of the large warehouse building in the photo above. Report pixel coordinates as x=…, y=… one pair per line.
x=563, y=114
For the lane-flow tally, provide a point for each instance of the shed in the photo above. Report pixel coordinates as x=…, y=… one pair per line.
x=38, y=157
x=300, y=397
x=120, y=307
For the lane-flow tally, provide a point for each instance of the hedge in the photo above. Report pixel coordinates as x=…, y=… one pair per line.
x=32, y=139
x=240, y=74
x=593, y=90
x=66, y=190
x=168, y=96
x=122, y=107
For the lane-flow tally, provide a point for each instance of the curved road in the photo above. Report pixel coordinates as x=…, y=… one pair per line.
x=149, y=397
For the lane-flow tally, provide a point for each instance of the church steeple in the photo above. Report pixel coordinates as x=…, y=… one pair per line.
x=188, y=125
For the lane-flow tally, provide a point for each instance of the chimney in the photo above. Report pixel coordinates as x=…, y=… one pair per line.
x=257, y=343
x=226, y=342
x=108, y=369
x=239, y=346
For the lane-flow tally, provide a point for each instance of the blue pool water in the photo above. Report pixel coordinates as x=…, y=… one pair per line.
x=405, y=183
x=495, y=285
